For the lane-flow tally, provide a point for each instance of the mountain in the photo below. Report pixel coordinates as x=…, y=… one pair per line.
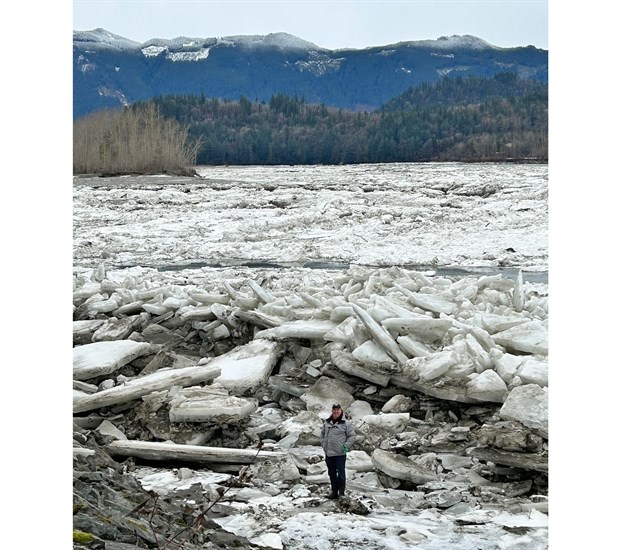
x=110, y=70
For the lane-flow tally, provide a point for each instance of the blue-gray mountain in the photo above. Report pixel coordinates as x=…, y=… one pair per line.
x=109, y=70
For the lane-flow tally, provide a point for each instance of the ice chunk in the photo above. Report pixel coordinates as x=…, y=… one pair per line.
x=397, y=404
x=518, y=293
x=359, y=461
x=249, y=366
x=494, y=323
x=346, y=362
x=109, y=429
x=506, y=364
x=531, y=337
x=433, y=366
x=487, y=386
x=307, y=329
x=101, y=358
x=326, y=391
x=400, y=467
x=426, y=329
x=528, y=404
x=413, y=347
x=210, y=403
x=534, y=372
x=275, y=469
x=392, y=422
x=371, y=354
x=358, y=409
x=429, y=302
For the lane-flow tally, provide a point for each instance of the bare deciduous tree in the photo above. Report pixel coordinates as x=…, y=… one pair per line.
x=132, y=141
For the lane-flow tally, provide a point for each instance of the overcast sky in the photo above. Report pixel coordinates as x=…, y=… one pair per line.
x=329, y=24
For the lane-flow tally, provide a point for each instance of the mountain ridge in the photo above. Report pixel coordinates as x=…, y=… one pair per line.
x=111, y=70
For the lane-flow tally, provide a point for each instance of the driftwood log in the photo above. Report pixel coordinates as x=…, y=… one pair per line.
x=150, y=450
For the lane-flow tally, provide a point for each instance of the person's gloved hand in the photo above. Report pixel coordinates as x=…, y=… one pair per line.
x=345, y=449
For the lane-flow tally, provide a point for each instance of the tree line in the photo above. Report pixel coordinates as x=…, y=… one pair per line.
x=456, y=119
x=498, y=118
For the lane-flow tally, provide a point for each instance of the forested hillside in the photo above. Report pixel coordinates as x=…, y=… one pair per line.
x=458, y=119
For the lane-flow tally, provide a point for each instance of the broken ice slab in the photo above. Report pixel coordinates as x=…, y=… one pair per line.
x=249, y=366
x=206, y=298
x=109, y=429
x=101, y=358
x=152, y=450
x=372, y=355
x=143, y=385
x=380, y=335
x=400, y=467
x=347, y=363
x=506, y=364
x=287, y=384
x=209, y=404
x=305, y=425
x=359, y=461
x=533, y=371
x=525, y=461
x=446, y=391
x=326, y=391
x=487, y=386
x=258, y=318
x=494, y=323
x=429, y=302
x=391, y=422
x=531, y=337
x=83, y=330
x=454, y=462
x=528, y=405
x=305, y=329
x=274, y=468
x=200, y=313
x=397, y=404
x=426, y=329
x=432, y=366
x=118, y=329
x=411, y=346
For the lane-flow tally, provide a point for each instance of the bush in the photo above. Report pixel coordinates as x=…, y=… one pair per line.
x=132, y=141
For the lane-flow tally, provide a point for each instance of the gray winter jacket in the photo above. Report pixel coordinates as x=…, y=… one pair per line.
x=334, y=436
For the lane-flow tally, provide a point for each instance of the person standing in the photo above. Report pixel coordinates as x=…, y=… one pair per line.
x=337, y=437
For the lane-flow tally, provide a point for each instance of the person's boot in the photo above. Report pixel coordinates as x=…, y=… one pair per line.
x=341, y=491
x=335, y=492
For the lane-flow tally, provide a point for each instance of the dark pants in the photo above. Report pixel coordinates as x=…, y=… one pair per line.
x=336, y=471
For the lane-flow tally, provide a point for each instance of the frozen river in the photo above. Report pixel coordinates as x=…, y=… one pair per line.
x=448, y=216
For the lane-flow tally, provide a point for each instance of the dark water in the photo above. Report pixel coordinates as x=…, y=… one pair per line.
x=507, y=272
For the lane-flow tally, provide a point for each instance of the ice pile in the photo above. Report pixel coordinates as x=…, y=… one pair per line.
x=445, y=379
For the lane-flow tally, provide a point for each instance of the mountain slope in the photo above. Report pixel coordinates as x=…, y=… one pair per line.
x=110, y=70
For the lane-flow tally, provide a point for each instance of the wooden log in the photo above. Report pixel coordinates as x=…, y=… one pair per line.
x=136, y=388
x=150, y=450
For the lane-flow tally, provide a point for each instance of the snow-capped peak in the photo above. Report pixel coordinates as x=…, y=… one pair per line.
x=455, y=41
x=103, y=38
x=280, y=40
